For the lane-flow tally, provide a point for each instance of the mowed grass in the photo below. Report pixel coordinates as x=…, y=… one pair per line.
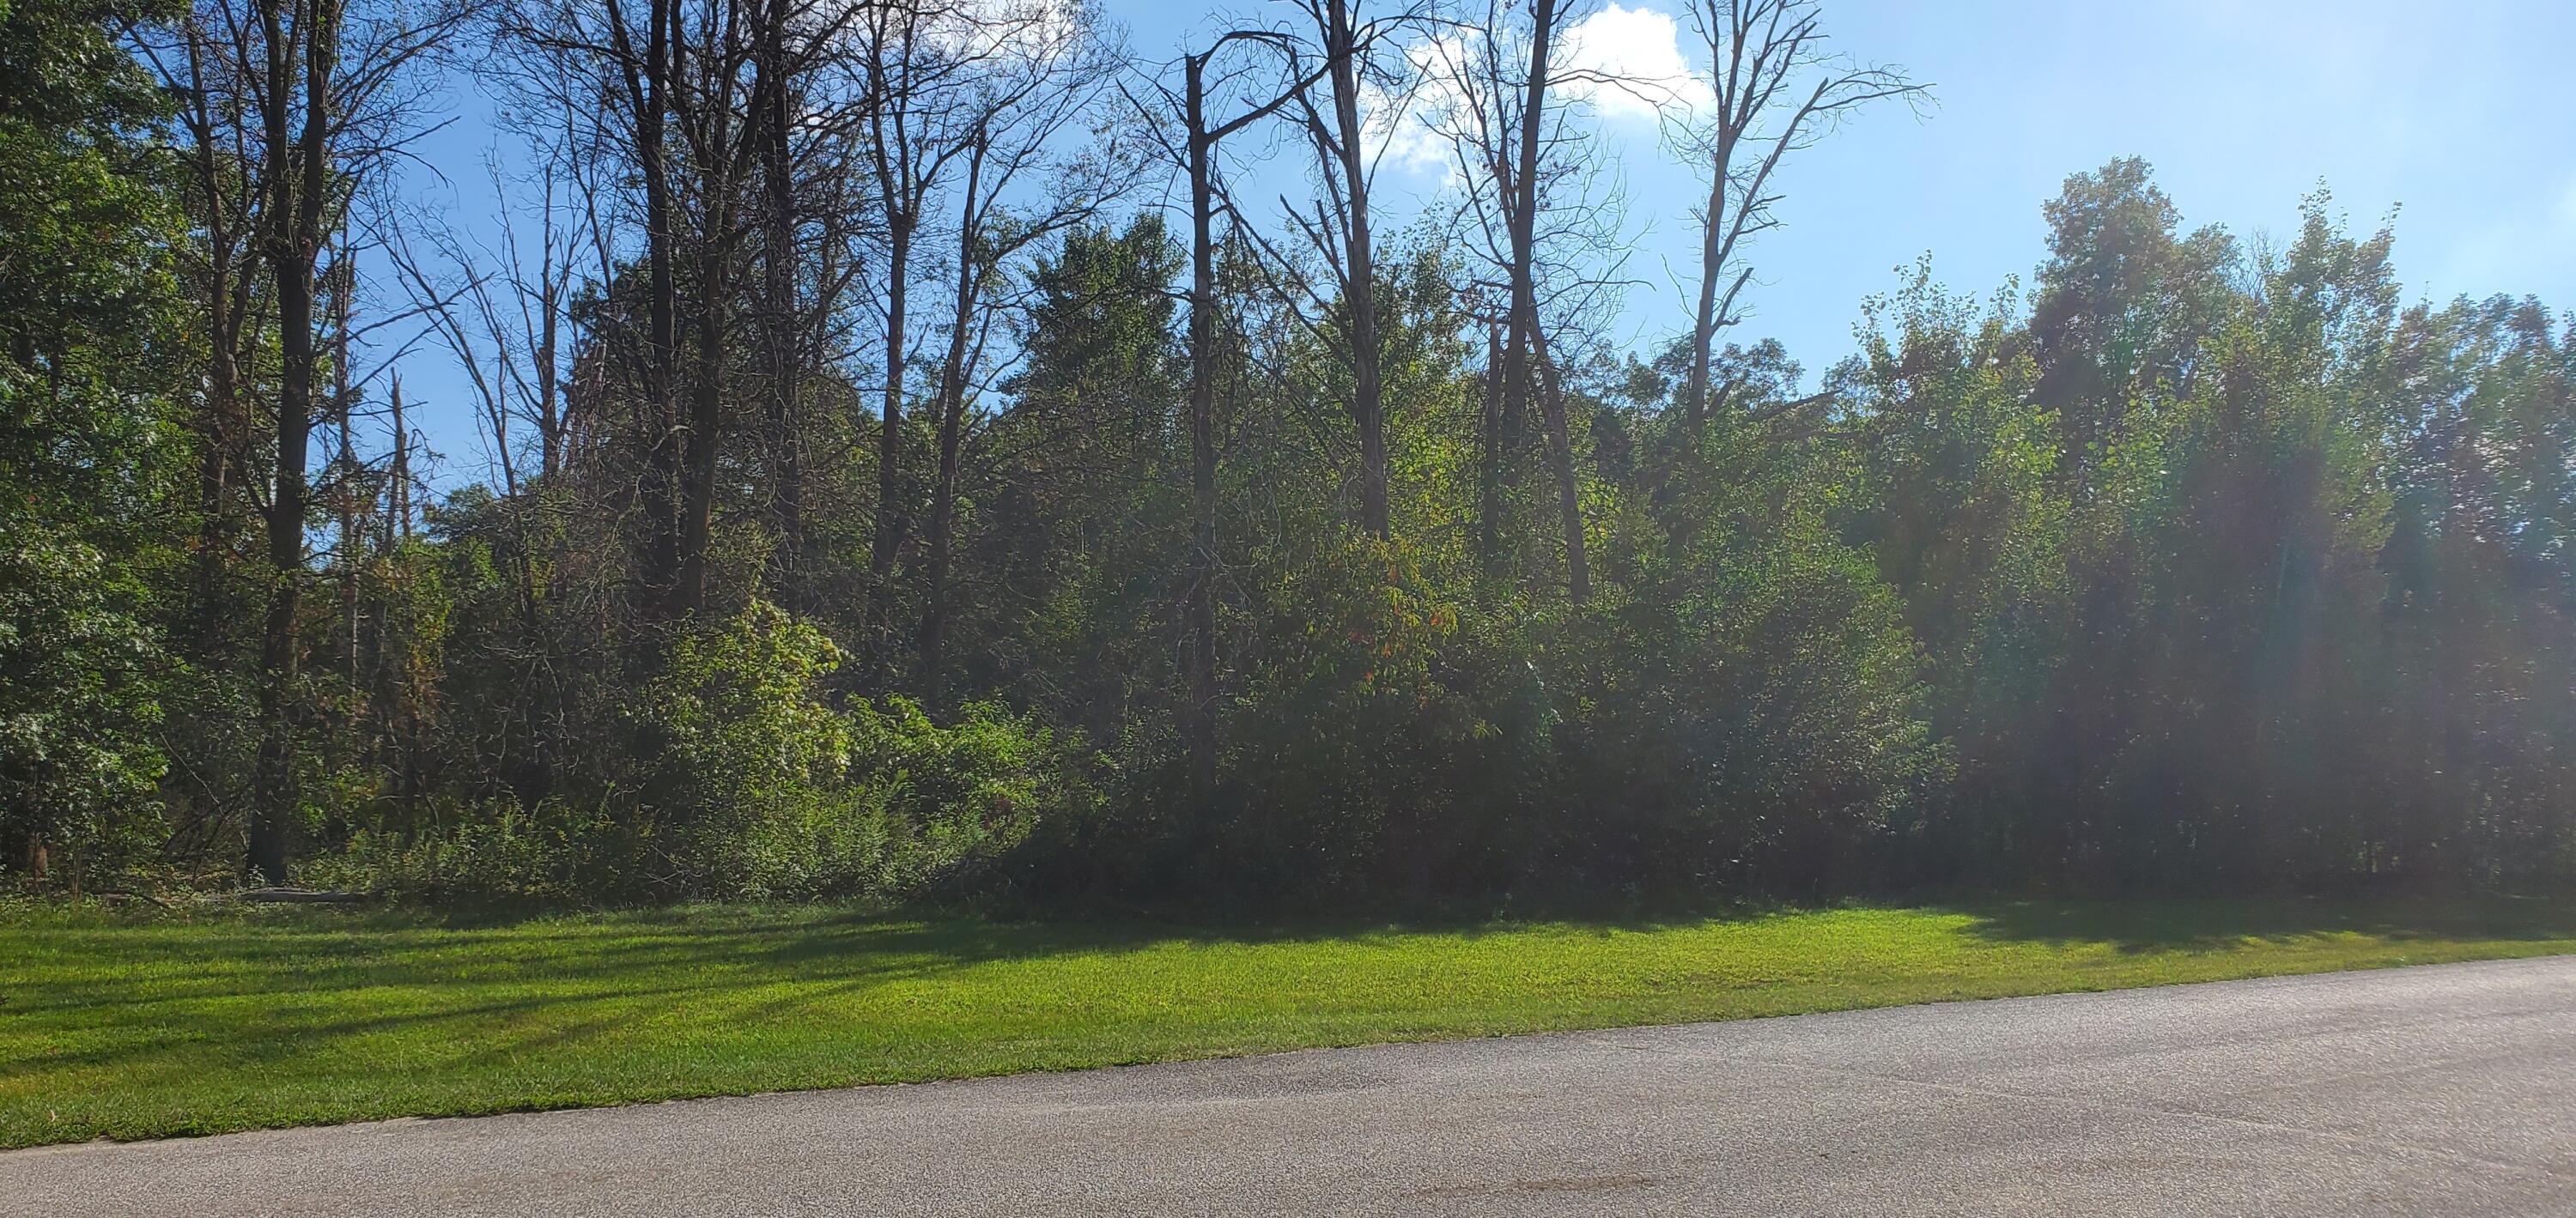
x=130, y=1027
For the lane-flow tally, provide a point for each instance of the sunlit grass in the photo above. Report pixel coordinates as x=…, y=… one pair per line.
x=139, y=1027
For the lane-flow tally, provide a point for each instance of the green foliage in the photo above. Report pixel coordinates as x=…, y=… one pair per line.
x=736, y=731
x=493, y=854
x=2196, y=565
x=770, y=792
x=2193, y=567
x=949, y=798
x=1344, y=723
x=1754, y=691
x=84, y=286
x=77, y=711
x=84, y=454
x=752, y=786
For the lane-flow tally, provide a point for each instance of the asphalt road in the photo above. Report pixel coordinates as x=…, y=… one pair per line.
x=2448, y=1090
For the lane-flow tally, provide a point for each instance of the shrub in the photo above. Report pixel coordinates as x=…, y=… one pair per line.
x=78, y=705
x=748, y=784
x=495, y=852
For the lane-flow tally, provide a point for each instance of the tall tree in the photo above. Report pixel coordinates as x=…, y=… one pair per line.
x=1527, y=165
x=1760, y=108
x=777, y=95
x=334, y=102
x=722, y=143
x=612, y=70
x=923, y=64
x=194, y=58
x=1203, y=132
x=1354, y=56
x=1019, y=127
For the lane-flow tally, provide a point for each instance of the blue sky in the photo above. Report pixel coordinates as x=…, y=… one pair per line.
x=2458, y=114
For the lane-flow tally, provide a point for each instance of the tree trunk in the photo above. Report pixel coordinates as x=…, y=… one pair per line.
x=698, y=475
x=1359, y=288
x=550, y=423
x=300, y=173
x=890, y=523
x=1569, y=500
x=1489, y=472
x=1199, y=722
x=351, y=541
x=952, y=428
x=1525, y=342
x=28, y=854
x=779, y=321
x=231, y=265
x=660, y=424
x=705, y=109
x=1712, y=263
x=214, y=467
x=706, y=413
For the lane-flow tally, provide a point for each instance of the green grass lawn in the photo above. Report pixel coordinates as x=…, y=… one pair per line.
x=132, y=1027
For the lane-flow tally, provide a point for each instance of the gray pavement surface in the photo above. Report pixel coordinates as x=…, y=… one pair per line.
x=2446, y=1090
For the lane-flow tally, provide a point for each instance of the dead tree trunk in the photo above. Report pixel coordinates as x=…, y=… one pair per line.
x=779, y=321
x=707, y=122
x=1527, y=344
x=1359, y=271
x=1199, y=721
x=648, y=86
x=1198, y=157
x=300, y=176
x=1753, y=48
x=952, y=425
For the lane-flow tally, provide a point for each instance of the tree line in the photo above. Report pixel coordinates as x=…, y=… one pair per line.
x=921, y=456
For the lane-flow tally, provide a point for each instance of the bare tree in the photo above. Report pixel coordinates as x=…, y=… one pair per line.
x=923, y=63
x=694, y=100
x=333, y=97
x=1195, y=155
x=1761, y=108
x=202, y=60
x=1353, y=56
x=612, y=71
x=1526, y=166
x=707, y=107
x=501, y=310
x=1018, y=124
x=810, y=100
x=775, y=100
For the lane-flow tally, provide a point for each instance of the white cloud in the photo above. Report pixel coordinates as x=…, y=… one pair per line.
x=1624, y=65
x=1410, y=132
x=1628, y=63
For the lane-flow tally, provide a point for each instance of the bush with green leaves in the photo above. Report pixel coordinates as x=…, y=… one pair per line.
x=750, y=785
x=486, y=853
x=1344, y=725
x=78, y=705
x=765, y=790
x=745, y=766
x=946, y=798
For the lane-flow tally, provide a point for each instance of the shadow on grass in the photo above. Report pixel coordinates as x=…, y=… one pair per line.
x=493, y=1006
x=159, y=970
x=713, y=947
x=2200, y=925
x=158, y=1003
x=189, y=981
